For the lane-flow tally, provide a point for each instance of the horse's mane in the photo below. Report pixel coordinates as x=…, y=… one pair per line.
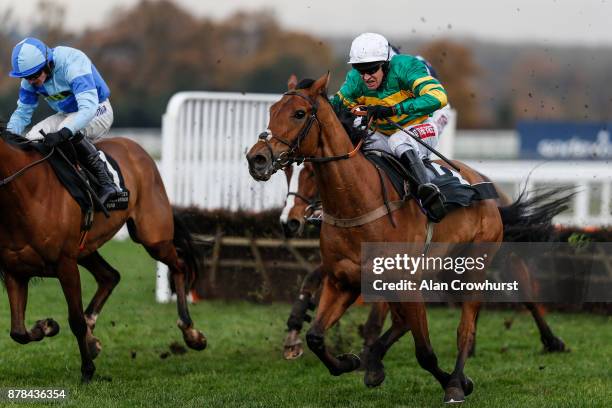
x=15, y=140
x=344, y=115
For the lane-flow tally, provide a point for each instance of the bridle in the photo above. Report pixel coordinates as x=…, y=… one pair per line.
x=288, y=157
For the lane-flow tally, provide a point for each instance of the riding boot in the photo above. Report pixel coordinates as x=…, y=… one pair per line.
x=428, y=193
x=90, y=157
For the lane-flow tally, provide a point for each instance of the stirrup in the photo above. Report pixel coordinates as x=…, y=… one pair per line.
x=433, y=204
x=432, y=196
x=108, y=191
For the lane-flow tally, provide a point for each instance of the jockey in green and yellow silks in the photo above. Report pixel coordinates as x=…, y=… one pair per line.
x=403, y=89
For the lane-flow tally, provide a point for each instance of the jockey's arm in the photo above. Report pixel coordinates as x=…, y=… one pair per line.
x=347, y=96
x=80, y=77
x=26, y=104
x=87, y=103
x=429, y=94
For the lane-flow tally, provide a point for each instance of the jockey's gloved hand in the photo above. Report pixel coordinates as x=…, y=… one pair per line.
x=55, y=138
x=380, y=112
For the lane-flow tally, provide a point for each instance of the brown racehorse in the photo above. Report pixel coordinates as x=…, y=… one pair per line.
x=303, y=124
x=40, y=236
x=302, y=185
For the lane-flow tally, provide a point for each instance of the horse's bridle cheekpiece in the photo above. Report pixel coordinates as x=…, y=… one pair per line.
x=287, y=157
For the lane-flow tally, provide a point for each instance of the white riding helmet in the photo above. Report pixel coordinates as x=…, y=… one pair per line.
x=369, y=47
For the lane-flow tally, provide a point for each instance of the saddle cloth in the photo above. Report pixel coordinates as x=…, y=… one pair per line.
x=67, y=176
x=456, y=190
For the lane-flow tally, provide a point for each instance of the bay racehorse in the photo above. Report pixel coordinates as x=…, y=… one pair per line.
x=303, y=126
x=41, y=234
x=302, y=202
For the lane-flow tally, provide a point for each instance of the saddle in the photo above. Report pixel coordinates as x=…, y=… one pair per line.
x=67, y=174
x=457, y=192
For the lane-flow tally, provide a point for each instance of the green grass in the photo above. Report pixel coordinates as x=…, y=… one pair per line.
x=243, y=366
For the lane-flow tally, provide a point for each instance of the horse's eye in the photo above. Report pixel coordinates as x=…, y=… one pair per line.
x=299, y=114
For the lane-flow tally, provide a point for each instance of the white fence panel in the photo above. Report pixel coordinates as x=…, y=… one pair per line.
x=205, y=136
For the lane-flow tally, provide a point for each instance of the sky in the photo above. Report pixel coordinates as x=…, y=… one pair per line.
x=555, y=22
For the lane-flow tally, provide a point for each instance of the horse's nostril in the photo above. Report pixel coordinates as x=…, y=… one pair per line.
x=260, y=161
x=293, y=225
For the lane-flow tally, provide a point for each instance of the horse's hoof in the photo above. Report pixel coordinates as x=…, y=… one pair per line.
x=454, y=395
x=374, y=378
x=87, y=374
x=293, y=347
x=467, y=385
x=95, y=347
x=294, y=351
x=348, y=362
x=554, y=345
x=194, y=339
x=86, y=378
x=49, y=327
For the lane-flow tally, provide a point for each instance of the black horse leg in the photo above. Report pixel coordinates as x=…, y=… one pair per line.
x=551, y=342
x=299, y=313
x=332, y=305
x=459, y=385
x=106, y=277
x=414, y=316
x=68, y=275
x=373, y=326
x=166, y=253
x=375, y=370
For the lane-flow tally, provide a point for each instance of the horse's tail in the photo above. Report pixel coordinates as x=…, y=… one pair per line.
x=186, y=248
x=529, y=218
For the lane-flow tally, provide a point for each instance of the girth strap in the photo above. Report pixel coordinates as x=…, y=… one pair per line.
x=365, y=218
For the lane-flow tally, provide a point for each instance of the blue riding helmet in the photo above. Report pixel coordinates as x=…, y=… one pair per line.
x=29, y=56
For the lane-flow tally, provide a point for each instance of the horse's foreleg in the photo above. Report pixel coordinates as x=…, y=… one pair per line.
x=332, y=305
x=17, y=290
x=89, y=346
x=414, y=316
x=166, y=253
x=106, y=277
x=299, y=313
x=373, y=326
x=375, y=370
x=459, y=385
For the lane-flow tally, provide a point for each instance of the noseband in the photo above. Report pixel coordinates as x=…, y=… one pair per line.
x=288, y=157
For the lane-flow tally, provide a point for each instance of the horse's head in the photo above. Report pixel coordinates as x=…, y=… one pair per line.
x=293, y=131
x=301, y=198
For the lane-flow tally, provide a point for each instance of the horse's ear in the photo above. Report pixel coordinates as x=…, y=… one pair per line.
x=292, y=82
x=320, y=85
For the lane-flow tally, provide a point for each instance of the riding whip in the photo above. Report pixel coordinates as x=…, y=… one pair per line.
x=358, y=111
x=418, y=139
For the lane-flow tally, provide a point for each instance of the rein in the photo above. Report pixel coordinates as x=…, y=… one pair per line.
x=18, y=173
x=301, y=197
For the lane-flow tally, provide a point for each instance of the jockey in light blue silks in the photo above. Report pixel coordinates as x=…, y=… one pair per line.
x=73, y=87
